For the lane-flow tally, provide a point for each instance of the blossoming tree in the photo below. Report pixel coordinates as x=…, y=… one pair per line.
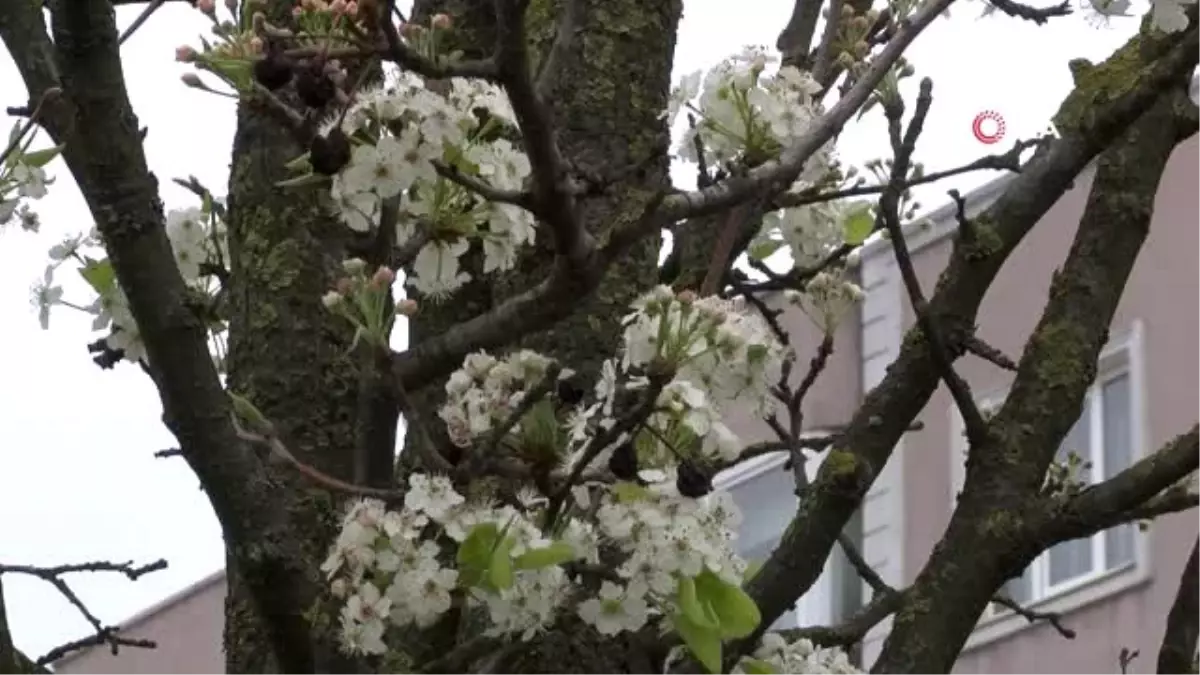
x=566, y=398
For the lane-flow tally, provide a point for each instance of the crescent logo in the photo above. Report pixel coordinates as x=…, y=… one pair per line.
x=988, y=127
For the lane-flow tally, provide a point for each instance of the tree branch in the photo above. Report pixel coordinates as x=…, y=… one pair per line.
x=777, y=175
x=892, y=405
x=1178, y=651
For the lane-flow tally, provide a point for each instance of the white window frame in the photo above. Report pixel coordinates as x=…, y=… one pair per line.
x=1122, y=355
x=750, y=469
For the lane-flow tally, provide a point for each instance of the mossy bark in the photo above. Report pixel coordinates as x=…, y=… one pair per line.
x=287, y=353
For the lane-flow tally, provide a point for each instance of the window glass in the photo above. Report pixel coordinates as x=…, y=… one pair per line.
x=1117, y=405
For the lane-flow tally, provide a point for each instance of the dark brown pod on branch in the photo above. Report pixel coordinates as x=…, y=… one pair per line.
x=329, y=154
x=624, y=462
x=273, y=71
x=314, y=86
x=693, y=481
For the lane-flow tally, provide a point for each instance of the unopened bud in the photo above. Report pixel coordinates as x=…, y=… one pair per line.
x=207, y=6
x=331, y=299
x=338, y=6
x=354, y=265
x=861, y=49
x=352, y=8
x=441, y=21
x=860, y=24
x=406, y=307
x=255, y=45
x=193, y=80
x=383, y=277
x=847, y=11
x=686, y=296
x=231, y=5
x=185, y=54
x=845, y=60
x=411, y=31
x=345, y=285
x=338, y=588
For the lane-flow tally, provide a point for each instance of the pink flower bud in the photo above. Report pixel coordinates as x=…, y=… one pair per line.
x=384, y=276
x=352, y=8
x=345, y=286
x=441, y=21
x=255, y=45
x=185, y=54
x=297, y=10
x=193, y=80
x=687, y=296
x=406, y=307
x=338, y=6
x=207, y=6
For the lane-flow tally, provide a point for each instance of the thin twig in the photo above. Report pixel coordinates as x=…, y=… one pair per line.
x=1052, y=618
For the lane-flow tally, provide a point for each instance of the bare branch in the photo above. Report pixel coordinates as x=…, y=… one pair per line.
x=514, y=197
x=103, y=634
x=976, y=427
x=569, y=20
x=1052, y=618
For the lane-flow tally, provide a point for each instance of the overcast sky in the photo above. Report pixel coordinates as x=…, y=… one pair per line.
x=78, y=480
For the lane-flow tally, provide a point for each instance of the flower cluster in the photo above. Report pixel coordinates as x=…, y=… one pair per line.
x=409, y=145
x=826, y=298
x=777, y=655
x=743, y=115
x=22, y=176
x=198, y=244
x=486, y=391
x=406, y=567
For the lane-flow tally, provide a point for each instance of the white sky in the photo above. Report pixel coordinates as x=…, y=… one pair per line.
x=79, y=481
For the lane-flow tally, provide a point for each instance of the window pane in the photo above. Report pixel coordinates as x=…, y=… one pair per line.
x=768, y=503
x=1069, y=560
x=761, y=552
x=1021, y=588
x=1118, y=455
x=1118, y=428
x=1078, y=440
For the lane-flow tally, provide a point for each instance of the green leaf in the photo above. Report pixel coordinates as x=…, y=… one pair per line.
x=301, y=163
x=100, y=275
x=540, y=429
x=757, y=667
x=858, y=225
x=764, y=248
x=736, y=611
x=556, y=553
x=629, y=492
x=303, y=181
x=475, y=553
x=703, y=643
x=752, y=568
x=500, y=569
x=39, y=158
x=246, y=410
x=692, y=607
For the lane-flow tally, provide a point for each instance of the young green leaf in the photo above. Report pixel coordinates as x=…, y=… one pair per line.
x=500, y=568
x=757, y=667
x=764, y=248
x=703, y=643
x=858, y=225
x=100, y=275
x=556, y=553
x=737, y=613
x=475, y=553
x=39, y=158
x=303, y=181
x=692, y=607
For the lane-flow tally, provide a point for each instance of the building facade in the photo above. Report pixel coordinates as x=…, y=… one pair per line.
x=1114, y=590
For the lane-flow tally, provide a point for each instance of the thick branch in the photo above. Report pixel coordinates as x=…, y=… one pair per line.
x=1008, y=468
x=1178, y=651
x=889, y=408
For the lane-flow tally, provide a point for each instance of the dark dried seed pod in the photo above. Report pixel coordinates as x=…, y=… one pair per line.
x=693, y=481
x=329, y=154
x=273, y=71
x=569, y=393
x=624, y=462
x=315, y=88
